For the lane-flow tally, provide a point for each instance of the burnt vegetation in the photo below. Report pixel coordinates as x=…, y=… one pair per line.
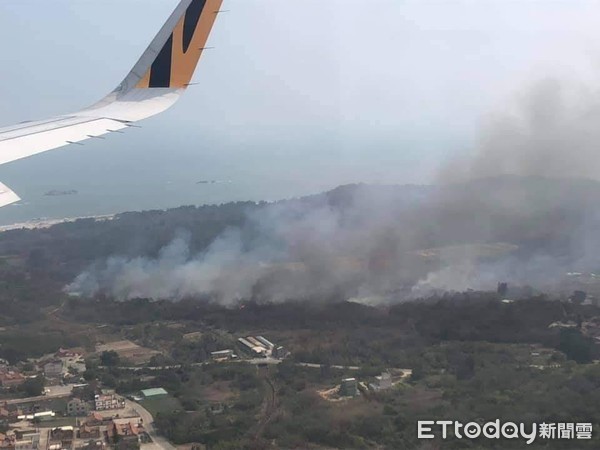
x=473, y=353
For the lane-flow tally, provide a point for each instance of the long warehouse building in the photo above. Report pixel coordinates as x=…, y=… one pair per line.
x=265, y=341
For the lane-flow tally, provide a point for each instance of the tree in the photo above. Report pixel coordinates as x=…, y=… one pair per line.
x=578, y=297
x=575, y=346
x=32, y=387
x=110, y=358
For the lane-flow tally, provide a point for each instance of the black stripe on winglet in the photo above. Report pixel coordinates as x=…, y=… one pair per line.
x=190, y=23
x=160, y=72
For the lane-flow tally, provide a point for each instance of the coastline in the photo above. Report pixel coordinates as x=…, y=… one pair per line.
x=47, y=223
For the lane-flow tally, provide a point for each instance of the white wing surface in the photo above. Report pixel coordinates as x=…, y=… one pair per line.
x=157, y=80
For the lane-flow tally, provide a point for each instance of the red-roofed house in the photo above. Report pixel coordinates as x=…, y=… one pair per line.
x=11, y=378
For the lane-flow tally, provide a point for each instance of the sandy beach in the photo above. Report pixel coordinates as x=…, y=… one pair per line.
x=46, y=223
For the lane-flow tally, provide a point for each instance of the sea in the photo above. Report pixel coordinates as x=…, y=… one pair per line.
x=136, y=172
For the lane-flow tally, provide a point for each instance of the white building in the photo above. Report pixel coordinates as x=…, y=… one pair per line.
x=384, y=381
x=104, y=402
x=265, y=341
x=53, y=369
x=222, y=354
x=27, y=440
x=256, y=342
x=259, y=350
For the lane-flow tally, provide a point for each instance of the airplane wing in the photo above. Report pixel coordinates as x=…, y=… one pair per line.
x=157, y=80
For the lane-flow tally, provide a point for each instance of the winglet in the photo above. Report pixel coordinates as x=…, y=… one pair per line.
x=7, y=196
x=172, y=57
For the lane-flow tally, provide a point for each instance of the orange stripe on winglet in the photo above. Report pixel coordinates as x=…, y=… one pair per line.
x=184, y=63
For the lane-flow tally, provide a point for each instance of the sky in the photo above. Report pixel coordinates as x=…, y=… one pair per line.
x=298, y=96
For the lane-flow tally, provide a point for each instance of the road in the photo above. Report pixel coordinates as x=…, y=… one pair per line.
x=256, y=361
x=318, y=366
x=51, y=392
x=159, y=442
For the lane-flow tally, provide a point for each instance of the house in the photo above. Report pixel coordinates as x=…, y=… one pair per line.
x=53, y=369
x=9, y=414
x=111, y=401
x=95, y=420
x=92, y=444
x=349, y=387
x=383, y=381
x=11, y=378
x=7, y=441
x=126, y=435
x=72, y=360
x=78, y=407
x=27, y=439
x=4, y=414
x=62, y=435
x=88, y=432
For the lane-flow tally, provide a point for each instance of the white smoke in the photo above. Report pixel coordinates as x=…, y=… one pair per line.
x=364, y=242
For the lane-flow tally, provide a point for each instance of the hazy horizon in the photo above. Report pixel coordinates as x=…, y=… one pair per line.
x=296, y=98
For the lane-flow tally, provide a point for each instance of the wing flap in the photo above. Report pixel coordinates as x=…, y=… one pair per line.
x=7, y=196
x=39, y=137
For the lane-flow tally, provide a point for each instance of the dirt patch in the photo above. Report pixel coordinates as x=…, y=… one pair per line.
x=192, y=337
x=219, y=391
x=128, y=350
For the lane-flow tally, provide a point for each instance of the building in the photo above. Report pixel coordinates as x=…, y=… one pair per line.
x=383, y=381
x=265, y=341
x=7, y=442
x=105, y=402
x=154, y=392
x=40, y=415
x=279, y=352
x=27, y=440
x=9, y=413
x=88, y=432
x=72, y=360
x=126, y=435
x=11, y=378
x=216, y=408
x=92, y=444
x=78, y=407
x=246, y=344
x=222, y=354
x=349, y=387
x=53, y=369
x=68, y=353
x=256, y=342
x=96, y=420
x=25, y=444
x=255, y=349
x=62, y=436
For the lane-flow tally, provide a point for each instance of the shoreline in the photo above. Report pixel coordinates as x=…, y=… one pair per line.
x=47, y=223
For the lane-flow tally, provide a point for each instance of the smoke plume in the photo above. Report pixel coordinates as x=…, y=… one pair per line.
x=516, y=208
x=550, y=130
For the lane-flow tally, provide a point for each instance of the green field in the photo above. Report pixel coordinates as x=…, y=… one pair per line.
x=58, y=422
x=161, y=403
